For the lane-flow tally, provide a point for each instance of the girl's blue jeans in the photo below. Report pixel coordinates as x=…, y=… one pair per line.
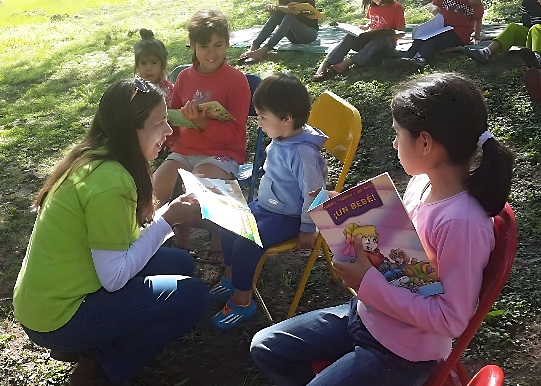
x=124, y=329
x=284, y=352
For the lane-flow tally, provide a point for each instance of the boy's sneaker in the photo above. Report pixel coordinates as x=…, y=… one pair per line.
x=477, y=55
x=223, y=289
x=232, y=315
x=531, y=58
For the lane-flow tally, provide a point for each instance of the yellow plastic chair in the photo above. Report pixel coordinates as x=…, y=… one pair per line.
x=341, y=122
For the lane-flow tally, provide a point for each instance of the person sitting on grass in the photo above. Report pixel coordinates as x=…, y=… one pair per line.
x=465, y=16
x=95, y=281
x=297, y=28
x=382, y=14
x=527, y=36
x=293, y=168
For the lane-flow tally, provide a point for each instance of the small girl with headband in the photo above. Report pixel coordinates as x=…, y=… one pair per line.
x=388, y=335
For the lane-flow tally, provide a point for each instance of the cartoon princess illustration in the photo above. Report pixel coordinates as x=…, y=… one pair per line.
x=369, y=236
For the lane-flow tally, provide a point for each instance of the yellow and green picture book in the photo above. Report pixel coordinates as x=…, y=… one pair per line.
x=213, y=109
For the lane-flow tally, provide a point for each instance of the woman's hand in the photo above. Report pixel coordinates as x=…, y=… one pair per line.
x=352, y=273
x=191, y=112
x=182, y=210
x=270, y=7
x=306, y=240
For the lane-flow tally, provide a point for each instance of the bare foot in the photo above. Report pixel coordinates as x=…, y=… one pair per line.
x=258, y=54
x=338, y=68
x=321, y=72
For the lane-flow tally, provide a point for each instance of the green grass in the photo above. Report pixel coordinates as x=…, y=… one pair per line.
x=57, y=57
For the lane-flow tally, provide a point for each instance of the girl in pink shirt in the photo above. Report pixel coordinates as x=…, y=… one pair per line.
x=388, y=335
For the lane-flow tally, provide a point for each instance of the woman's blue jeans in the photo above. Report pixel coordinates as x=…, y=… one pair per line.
x=284, y=352
x=124, y=329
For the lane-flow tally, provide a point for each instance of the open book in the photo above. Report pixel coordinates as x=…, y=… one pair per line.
x=431, y=28
x=305, y=9
x=374, y=212
x=357, y=31
x=214, y=110
x=223, y=203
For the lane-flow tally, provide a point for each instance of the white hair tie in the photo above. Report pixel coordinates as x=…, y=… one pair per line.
x=483, y=138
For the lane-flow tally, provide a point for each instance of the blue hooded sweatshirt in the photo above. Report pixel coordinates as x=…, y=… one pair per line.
x=294, y=167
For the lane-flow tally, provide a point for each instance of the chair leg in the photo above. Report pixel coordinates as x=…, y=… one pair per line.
x=462, y=373
x=302, y=283
x=258, y=270
x=327, y=255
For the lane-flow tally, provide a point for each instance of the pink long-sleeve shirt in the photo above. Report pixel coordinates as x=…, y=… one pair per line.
x=228, y=86
x=458, y=237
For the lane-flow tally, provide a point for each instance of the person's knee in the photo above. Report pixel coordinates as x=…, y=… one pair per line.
x=535, y=30
x=258, y=347
x=164, y=179
x=288, y=18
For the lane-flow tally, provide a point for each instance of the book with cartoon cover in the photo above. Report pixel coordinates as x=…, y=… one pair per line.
x=214, y=110
x=223, y=203
x=374, y=212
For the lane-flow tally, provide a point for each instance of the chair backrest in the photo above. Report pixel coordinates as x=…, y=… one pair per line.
x=490, y=375
x=341, y=122
x=174, y=73
x=495, y=276
x=249, y=173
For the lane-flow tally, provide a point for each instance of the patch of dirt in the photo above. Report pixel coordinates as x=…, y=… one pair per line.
x=209, y=356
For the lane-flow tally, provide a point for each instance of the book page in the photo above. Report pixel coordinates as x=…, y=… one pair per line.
x=431, y=28
x=175, y=117
x=223, y=203
x=373, y=212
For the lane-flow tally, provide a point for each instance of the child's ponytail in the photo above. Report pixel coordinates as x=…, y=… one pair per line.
x=490, y=182
x=453, y=111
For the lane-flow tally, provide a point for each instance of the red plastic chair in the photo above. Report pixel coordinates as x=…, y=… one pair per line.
x=490, y=375
x=452, y=371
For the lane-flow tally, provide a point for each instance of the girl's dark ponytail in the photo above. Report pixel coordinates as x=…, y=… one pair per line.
x=490, y=182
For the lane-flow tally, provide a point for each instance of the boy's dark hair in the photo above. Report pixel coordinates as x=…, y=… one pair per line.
x=368, y=3
x=204, y=23
x=147, y=46
x=285, y=96
x=453, y=112
x=122, y=111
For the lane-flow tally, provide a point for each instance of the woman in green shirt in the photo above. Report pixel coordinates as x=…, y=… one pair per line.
x=95, y=279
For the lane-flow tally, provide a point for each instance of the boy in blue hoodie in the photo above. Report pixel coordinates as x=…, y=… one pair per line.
x=293, y=168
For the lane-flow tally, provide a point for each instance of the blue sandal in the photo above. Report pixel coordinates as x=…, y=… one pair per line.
x=232, y=315
x=223, y=289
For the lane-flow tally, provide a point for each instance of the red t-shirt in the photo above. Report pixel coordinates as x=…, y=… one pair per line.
x=386, y=16
x=228, y=86
x=461, y=15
